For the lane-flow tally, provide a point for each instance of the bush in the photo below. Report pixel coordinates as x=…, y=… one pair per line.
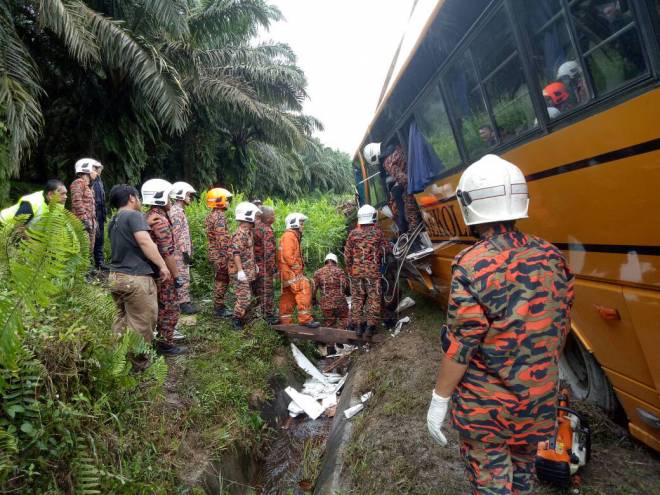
x=65, y=377
x=325, y=231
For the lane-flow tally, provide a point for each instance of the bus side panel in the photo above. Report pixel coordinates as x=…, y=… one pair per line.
x=644, y=306
x=639, y=429
x=613, y=342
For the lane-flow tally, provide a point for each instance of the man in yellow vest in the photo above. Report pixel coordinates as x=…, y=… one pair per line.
x=32, y=206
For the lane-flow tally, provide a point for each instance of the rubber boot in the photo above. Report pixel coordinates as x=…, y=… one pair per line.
x=188, y=308
x=237, y=323
x=350, y=327
x=273, y=320
x=222, y=313
x=166, y=349
x=371, y=329
x=313, y=324
x=360, y=329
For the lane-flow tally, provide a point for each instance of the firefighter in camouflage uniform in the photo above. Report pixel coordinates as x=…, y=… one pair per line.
x=396, y=167
x=182, y=194
x=83, y=204
x=507, y=321
x=156, y=195
x=219, y=240
x=264, y=255
x=242, y=266
x=364, y=255
x=333, y=285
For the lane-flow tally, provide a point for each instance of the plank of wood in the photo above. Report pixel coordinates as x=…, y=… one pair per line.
x=326, y=335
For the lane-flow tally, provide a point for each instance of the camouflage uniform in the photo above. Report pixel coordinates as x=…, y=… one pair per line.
x=242, y=245
x=83, y=205
x=218, y=253
x=333, y=284
x=183, y=244
x=508, y=317
x=264, y=256
x=168, y=308
x=395, y=165
x=364, y=253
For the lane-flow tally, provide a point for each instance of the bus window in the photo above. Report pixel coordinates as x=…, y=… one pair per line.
x=609, y=40
x=377, y=192
x=501, y=73
x=467, y=102
x=554, y=56
x=433, y=122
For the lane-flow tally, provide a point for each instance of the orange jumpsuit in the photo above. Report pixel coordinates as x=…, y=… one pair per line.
x=296, y=288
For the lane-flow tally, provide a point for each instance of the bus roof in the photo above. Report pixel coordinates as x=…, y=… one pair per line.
x=419, y=23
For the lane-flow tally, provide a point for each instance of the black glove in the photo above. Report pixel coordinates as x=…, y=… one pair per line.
x=178, y=282
x=187, y=259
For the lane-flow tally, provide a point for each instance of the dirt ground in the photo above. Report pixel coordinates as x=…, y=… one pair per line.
x=391, y=452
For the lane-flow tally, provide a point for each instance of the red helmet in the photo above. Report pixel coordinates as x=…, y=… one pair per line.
x=557, y=92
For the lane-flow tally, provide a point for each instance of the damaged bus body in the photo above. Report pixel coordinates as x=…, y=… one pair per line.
x=568, y=91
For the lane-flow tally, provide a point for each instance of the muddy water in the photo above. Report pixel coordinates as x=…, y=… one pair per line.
x=295, y=456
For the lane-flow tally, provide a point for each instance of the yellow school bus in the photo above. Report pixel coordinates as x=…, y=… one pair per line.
x=568, y=91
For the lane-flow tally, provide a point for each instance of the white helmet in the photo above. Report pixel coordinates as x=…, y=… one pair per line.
x=553, y=112
x=367, y=215
x=180, y=189
x=492, y=190
x=294, y=220
x=569, y=69
x=156, y=192
x=246, y=212
x=86, y=165
x=332, y=257
x=372, y=153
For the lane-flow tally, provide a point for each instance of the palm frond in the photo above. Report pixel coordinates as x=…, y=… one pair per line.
x=20, y=90
x=153, y=77
x=67, y=20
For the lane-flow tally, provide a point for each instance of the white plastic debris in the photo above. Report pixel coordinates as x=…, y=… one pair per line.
x=366, y=397
x=407, y=302
x=347, y=349
x=329, y=401
x=308, y=404
x=332, y=377
x=352, y=411
x=295, y=409
x=399, y=325
x=307, y=365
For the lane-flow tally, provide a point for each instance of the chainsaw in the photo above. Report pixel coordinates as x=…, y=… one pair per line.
x=560, y=458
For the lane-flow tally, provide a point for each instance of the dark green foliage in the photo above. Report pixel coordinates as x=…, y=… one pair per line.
x=178, y=89
x=62, y=370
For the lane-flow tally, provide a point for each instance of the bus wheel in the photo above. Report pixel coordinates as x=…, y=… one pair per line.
x=586, y=378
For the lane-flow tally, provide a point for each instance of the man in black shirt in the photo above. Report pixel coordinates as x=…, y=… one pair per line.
x=134, y=262
x=101, y=214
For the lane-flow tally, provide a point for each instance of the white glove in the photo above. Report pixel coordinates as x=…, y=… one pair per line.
x=241, y=276
x=436, y=416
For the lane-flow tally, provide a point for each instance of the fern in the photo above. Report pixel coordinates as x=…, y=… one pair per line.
x=53, y=249
x=8, y=448
x=87, y=477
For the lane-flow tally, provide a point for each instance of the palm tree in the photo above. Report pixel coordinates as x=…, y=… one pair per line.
x=95, y=42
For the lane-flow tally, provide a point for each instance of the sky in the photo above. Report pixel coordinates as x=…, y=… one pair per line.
x=345, y=48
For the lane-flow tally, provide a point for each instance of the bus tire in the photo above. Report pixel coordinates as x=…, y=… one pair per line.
x=587, y=380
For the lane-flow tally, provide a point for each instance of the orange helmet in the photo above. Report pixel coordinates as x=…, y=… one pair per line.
x=218, y=198
x=557, y=92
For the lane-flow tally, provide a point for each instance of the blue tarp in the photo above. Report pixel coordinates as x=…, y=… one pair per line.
x=424, y=166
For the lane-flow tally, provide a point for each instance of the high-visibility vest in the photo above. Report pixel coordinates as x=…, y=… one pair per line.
x=36, y=200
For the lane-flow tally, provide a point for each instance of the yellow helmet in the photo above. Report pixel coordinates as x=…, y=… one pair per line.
x=218, y=198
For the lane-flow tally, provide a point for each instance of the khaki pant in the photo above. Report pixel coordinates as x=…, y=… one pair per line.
x=137, y=303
